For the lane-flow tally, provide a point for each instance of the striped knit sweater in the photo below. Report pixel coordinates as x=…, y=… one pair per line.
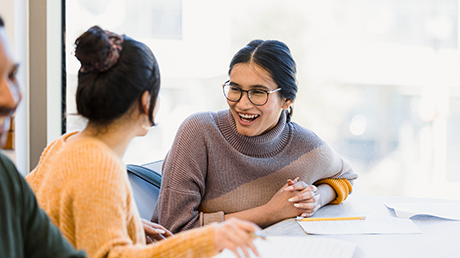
x=212, y=170
x=83, y=186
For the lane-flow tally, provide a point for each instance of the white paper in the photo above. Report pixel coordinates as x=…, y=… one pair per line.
x=440, y=210
x=388, y=225
x=304, y=246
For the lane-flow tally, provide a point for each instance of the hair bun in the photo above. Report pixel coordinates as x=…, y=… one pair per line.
x=92, y=46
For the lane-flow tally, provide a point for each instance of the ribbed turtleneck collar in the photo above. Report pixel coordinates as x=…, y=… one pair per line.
x=262, y=146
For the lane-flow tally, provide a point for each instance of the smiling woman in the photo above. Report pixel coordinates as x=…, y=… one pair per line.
x=236, y=162
x=252, y=119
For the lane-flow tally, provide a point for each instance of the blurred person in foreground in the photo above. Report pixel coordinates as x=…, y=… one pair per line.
x=81, y=181
x=25, y=229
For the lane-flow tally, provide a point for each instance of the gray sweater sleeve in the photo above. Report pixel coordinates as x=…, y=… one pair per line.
x=183, y=183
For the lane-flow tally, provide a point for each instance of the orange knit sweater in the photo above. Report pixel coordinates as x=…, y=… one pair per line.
x=83, y=186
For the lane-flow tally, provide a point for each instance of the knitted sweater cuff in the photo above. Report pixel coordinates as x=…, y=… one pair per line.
x=209, y=218
x=341, y=186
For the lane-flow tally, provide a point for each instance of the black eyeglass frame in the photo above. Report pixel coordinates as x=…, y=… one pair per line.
x=226, y=84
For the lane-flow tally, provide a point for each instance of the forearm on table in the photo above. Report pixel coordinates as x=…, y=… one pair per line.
x=258, y=215
x=265, y=215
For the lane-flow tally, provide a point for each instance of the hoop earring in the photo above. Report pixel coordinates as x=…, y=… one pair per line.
x=142, y=124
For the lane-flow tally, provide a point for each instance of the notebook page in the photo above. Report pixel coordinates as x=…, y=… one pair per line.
x=304, y=246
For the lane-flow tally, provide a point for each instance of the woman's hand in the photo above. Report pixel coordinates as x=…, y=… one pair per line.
x=310, y=198
x=154, y=232
x=279, y=208
x=234, y=234
x=307, y=199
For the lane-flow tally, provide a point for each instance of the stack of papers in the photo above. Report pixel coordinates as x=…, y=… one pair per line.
x=304, y=246
x=440, y=210
x=388, y=225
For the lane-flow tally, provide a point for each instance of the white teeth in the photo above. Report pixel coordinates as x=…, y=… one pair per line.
x=248, y=116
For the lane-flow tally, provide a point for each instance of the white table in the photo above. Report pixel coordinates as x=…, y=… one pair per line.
x=439, y=238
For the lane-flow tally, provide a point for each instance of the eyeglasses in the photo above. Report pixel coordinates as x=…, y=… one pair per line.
x=256, y=96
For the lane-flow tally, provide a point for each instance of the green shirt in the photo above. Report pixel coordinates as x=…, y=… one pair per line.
x=25, y=229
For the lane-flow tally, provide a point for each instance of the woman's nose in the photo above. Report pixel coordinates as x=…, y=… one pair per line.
x=244, y=102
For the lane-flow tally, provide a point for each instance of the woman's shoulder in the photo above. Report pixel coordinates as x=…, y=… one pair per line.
x=92, y=149
x=303, y=133
x=201, y=117
x=194, y=132
x=92, y=159
x=76, y=165
x=50, y=153
x=56, y=145
x=304, y=136
x=198, y=122
x=85, y=155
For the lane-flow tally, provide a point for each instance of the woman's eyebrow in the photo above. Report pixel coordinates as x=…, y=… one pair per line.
x=257, y=86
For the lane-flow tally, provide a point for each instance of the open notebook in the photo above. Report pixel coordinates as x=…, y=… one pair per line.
x=301, y=246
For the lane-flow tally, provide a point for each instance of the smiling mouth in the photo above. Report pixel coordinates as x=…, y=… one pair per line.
x=248, y=118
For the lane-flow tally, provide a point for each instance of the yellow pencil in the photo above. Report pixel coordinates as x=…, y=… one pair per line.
x=330, y=219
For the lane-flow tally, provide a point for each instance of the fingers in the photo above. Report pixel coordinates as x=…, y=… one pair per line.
x=234, y=239
x=309, y=207
x=306, y=194
x=245, y=225
x=308, y=204
x=233, y=234
x=249, y=227
x=310, y=213
x=166, y=233
x=299, y=186
x=306, y=215
x=154, y=234
x=292, y=182
x=148, y=240
x=155, y=231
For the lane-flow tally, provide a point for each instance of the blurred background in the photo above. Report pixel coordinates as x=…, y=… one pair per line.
x=379, y=80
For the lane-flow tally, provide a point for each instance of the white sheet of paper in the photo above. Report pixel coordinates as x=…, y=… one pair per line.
x=440, y=210
x=388, y=225
x=301, y=246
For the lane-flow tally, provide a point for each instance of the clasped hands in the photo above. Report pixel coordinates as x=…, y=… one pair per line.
x=295, y=198
x=306, y=198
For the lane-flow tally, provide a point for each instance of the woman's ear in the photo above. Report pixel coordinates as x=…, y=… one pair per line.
x=287, y=103
x=145, y=103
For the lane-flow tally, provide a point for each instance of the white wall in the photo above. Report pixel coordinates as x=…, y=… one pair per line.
x=35, y=30
x=45, y=75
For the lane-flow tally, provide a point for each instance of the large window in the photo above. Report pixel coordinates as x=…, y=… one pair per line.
x=378, y=80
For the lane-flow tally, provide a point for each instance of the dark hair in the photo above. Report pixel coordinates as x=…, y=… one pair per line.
x=275, y=57
x=105, y=96
x=2, y=24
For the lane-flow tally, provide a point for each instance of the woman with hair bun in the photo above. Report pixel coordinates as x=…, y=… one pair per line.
x=81, y=181
x=235, y=163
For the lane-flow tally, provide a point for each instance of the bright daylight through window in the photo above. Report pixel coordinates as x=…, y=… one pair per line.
x=378, y=80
